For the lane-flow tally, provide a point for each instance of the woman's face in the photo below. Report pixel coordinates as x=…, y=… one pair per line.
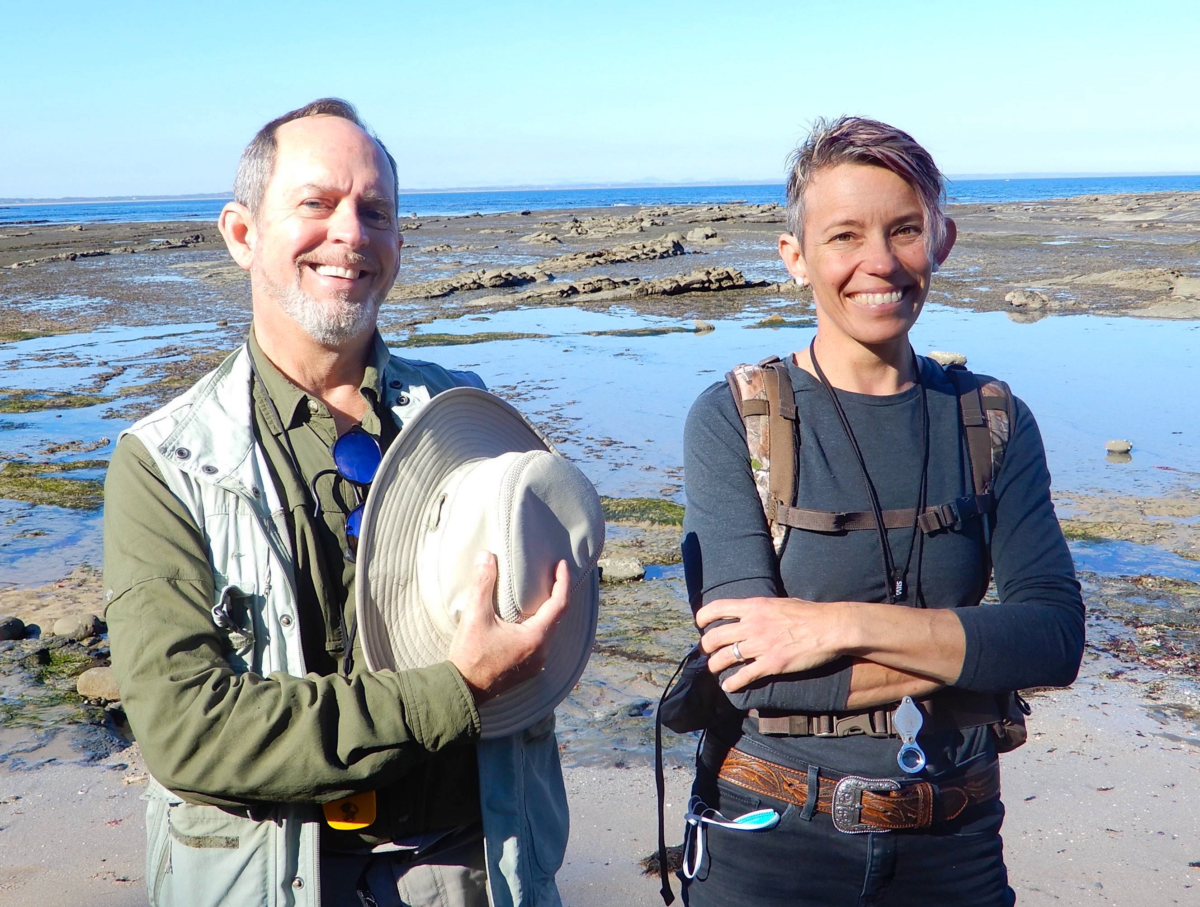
x=864, y=253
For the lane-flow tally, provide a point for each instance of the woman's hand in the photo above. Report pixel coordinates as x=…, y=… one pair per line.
x=785, y=635
x=772, y=635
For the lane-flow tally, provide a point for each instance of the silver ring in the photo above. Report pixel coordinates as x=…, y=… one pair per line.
x=737, y=653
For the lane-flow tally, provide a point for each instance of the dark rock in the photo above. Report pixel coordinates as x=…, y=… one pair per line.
x=12, y=628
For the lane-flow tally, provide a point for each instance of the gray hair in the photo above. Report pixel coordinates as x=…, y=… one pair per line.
x=258, y=160
x=857, y=140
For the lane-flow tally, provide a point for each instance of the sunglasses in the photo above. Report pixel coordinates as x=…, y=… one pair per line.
x=356, y=458
x=700, y=815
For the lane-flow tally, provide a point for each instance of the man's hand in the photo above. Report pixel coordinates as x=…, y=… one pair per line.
x=493, y=655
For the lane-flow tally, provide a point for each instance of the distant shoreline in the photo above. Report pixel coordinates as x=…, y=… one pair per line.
x=580, y=187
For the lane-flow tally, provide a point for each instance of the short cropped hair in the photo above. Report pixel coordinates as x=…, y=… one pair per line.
x=857, y=140
x=258, y=160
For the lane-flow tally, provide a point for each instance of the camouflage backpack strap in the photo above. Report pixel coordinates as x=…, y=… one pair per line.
x=985, y=406
x=767, y=404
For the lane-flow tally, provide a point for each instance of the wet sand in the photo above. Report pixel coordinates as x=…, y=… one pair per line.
x=1095, y=797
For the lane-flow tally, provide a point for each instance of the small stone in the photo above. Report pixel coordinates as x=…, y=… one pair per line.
x=1027, y=299
x=773, y=319
x=620, y=569
x=945, y=359
x=12, y=628
x=702, y=234
x=703, y=327
x=98, y=683
x=673, y=238
x=78, y=626
x=1118, y=446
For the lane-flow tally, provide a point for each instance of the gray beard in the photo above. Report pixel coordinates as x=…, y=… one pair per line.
x=329, y=323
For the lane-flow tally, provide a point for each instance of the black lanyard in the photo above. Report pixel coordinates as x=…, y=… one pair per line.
x=895, y=580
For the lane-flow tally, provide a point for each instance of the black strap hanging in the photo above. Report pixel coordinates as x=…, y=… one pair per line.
x=895, y=580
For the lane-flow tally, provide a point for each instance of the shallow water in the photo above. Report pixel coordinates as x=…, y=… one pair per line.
x=616, y=404
x=1117, y=558
x=1075, y=373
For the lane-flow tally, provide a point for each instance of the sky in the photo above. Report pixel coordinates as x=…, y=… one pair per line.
x=153, y=98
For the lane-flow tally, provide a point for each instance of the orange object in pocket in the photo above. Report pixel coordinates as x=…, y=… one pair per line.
x=351, y=813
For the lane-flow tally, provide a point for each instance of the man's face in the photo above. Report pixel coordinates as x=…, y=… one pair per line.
x=326, y=241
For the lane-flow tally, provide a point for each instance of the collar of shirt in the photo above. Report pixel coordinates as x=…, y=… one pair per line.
x=296, y=405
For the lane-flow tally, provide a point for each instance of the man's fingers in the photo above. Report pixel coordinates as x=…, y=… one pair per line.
x=555, y=606
x=485, y=584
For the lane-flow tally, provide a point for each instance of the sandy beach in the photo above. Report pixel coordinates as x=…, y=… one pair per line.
x=102, y=324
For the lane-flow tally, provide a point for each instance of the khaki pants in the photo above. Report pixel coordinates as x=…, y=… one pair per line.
x=450, y=874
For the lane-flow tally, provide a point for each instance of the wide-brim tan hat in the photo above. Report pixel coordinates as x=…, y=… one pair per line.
x=467, y=474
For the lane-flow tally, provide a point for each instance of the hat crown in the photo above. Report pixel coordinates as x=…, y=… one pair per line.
x=529, y=508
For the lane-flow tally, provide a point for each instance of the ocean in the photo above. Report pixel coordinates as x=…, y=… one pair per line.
x=432, y=204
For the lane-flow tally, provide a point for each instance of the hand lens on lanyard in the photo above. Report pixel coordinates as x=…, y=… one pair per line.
x=907, y=721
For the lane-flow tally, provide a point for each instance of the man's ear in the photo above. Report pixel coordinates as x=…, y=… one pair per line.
x=948, y=243
x=236, y=224
x=793, y=258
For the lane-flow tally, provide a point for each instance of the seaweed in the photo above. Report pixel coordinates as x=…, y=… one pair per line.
x=32, y=401
x=642, y=510
x=417, y=340
x=43, y=483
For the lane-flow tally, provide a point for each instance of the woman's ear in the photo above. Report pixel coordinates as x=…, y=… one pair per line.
x=236, y=224
x=948, y=243
x=793, y=258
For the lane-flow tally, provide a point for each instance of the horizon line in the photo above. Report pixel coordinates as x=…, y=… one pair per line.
x=567, y=187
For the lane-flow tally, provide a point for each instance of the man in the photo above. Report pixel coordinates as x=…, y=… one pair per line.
x=230, y=576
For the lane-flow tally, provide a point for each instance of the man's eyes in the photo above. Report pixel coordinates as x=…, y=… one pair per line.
x=378, y=216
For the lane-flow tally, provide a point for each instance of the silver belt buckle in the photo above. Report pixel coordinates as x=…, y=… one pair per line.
x=847, y=803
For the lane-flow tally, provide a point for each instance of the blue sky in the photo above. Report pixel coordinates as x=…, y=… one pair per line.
x=144, y=98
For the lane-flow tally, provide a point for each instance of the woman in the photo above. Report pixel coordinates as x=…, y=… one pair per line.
x=815, y=646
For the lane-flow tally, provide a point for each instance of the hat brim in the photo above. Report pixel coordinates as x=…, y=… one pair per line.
x=455, y=427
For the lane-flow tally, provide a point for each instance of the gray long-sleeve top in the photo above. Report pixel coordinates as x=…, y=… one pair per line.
x=1033, y=638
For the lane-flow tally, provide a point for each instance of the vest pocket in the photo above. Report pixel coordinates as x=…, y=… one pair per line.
x=158, y=848
x=218, y=858
x=234, y=614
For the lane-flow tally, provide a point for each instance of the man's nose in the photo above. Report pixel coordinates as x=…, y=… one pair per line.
x=346, y=226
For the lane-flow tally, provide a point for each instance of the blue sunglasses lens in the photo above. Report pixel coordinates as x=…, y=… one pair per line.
x=356, y=456
x=354, y=522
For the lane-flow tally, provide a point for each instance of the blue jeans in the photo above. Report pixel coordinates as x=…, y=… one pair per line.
x=809, y=862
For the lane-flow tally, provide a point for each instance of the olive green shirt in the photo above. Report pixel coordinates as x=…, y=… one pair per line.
x=200, y=726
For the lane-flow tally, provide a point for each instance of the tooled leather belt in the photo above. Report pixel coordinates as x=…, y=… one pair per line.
x=860, y=805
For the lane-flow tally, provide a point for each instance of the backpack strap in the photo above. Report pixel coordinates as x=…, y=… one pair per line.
x=985, y=407
x=766, y=402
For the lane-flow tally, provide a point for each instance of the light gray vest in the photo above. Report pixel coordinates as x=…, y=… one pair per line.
x=203, y=444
